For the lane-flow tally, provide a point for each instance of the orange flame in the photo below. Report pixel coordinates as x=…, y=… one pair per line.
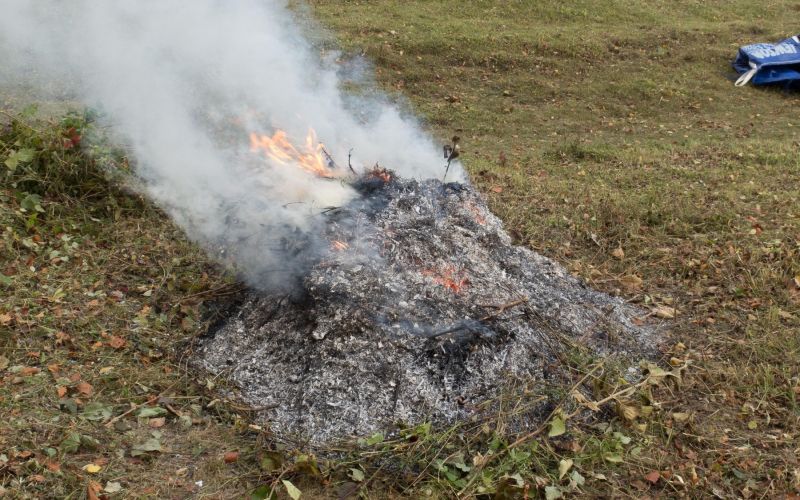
x=449, y=278
x=280, y=149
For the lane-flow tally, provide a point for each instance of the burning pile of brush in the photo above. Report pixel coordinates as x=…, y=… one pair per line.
x=419, y=308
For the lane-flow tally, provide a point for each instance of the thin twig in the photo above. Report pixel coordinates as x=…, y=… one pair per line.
x=150, y=400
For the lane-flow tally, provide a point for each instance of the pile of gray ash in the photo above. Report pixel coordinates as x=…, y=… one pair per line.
x=421, y=309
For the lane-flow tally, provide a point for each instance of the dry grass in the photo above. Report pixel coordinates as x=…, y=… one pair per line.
x=591, y=127
x=595, y=126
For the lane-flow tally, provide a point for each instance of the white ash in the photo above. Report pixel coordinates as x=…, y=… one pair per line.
x=364, y=347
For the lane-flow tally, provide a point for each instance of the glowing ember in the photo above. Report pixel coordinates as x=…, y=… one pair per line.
x=278, y=148
x=339, y=245
x=448, y=277
x=380, y=173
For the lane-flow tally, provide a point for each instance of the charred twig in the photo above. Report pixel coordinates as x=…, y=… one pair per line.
x=451, y=152
x=501, y=308
x=331, y=164
x=350, y=165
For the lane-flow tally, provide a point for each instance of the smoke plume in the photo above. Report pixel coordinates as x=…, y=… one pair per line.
x=185, y=83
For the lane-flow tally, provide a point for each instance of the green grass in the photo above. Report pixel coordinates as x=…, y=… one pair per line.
x=590, y=126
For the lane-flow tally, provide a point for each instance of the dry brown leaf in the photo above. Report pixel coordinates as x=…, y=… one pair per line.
x=632, y=282
x=85, y=388
x=627, y=412
x=116, y=342
x=92, y=489
x=54, y=368
x=496, y=189
x=29, y=370
x=157, y=422
x=5, y=319
x=665, y=312
x=231, y=457
x=653, y=476
x=61, y=391
x=618, y=253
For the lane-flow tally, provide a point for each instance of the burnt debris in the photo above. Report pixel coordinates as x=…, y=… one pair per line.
x=421, y=309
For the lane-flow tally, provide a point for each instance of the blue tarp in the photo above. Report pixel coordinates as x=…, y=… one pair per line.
x=763, y=63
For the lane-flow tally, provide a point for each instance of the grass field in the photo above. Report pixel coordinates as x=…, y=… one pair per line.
x=606, y=135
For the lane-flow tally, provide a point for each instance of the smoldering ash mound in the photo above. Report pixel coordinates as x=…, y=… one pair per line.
x=421, y=310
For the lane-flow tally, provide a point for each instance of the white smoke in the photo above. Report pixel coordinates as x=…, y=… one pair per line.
x=185, y=82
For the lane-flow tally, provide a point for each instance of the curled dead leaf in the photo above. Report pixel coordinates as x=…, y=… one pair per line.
x=155, y=423
x=27, y=371
x=665, y=312
x=627, y=412
x=85, y=388
x=230, y=457
x=631, y=282
x=116, y=342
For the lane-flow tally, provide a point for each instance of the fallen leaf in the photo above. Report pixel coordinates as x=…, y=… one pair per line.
x=552, y=492
x=61, y=391
x=229, y=457
x=151, y=411
x=632, y=282
x=618, y=253
x=85, y=388
x=152, y=444
x=557, y=426
x=91, y=468
x=564, y=466
x=627, y=412
x=53, y=466
x=92, y=489
x=116, y=342
x=496, y=189
x=665, y=312
x=54, y=368
x=112, y=487
x=356, y=475
x=27, y=371
x=106, y=370
x=680, y=417
x=5, y=319
x=653, y=476
x=96, y=411
x=155, y=423
x=3, y=362
x=291, y=489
